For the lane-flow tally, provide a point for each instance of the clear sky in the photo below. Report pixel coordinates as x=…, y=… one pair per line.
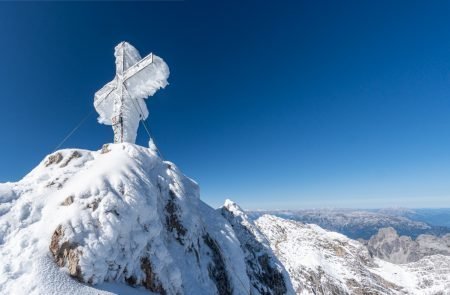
x=274, y=104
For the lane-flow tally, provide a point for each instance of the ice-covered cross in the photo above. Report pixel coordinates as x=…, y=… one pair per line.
x=120, y=103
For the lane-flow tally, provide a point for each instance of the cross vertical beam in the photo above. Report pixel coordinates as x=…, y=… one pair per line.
x=119, y=101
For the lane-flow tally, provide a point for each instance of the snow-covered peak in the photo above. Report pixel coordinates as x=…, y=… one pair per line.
x=389, y=246
x=229, y=204
x=235, y=209
x=119, y=215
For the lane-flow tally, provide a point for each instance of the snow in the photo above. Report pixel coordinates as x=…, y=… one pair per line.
x=112, y=206
x=308, y=251
x=53, y=280
x=429, y=275
x=123, y=203
x=262, y=265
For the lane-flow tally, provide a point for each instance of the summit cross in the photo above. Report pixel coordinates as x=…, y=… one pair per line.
x=120, y=103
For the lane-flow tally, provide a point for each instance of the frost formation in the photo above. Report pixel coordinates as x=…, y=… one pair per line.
x=120, y=103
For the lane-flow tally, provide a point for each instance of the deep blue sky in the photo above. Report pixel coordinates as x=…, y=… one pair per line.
x=272, y=104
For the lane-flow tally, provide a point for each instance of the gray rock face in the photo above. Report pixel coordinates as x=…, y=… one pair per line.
x=266, y=273
x=389, y=246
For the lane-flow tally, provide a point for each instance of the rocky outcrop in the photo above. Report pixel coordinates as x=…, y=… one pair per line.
x=217, y=267
x=389, y=246
x=267, y=274
x=322, y=262
x=53, y=159
x=66, y=253
x=151, y=280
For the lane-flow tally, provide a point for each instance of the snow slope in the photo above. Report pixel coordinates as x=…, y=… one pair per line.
x=323, y=262
x=267, y=274
x=119, y=215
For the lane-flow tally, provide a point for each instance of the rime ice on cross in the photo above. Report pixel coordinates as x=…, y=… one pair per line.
x=120, y=103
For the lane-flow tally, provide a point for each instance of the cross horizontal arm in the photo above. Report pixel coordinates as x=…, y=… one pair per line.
x=136, y=68
x=103, y=93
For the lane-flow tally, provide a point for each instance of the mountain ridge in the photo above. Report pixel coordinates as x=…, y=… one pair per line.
x=122, y=220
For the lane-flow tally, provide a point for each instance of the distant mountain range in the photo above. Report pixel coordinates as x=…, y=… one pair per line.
x=436, y=217
x=363, y=224
x=323, y=262
x=389, y=246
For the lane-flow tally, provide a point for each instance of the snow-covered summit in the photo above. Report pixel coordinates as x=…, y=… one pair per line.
x=119, y=215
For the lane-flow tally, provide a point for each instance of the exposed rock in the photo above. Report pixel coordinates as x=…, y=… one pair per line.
x=74, y=155
x=151, y=281
x=55, y=183
x=94, y=205
x=173, y=222
x=65, y=253
x=105, y=149
x=54, y=159
x=270, y=276
x=68, y=201
x=266, y=273
x=389, y=246
x=217, y=269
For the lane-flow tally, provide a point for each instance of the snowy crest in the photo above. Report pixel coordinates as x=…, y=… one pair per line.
x=121, y=102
